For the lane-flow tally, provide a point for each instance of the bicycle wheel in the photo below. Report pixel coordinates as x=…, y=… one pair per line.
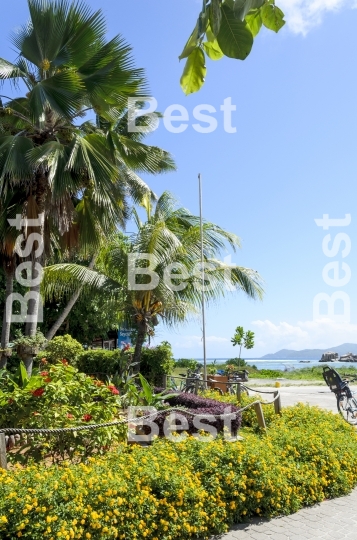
x=219, y=390
x=347, y=407
x=190, y=389
x=233, y=391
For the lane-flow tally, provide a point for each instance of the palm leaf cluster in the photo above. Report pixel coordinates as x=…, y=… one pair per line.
x=171, y=237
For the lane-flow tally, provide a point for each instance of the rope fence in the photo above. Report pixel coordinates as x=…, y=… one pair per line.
x=5, y=433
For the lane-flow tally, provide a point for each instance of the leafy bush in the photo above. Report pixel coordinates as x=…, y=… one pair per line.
x=157, y=362
x=59, y=397
x=177, y=491
x=186, y=363
x=99, y=361
x=62, y=348
x=237, y=362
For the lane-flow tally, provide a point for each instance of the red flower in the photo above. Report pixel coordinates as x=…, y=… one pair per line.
x=38, y=392
x=64, y=362
x=44, y=361
x=113, y=390
x=98, y=383
x=36, y=414
x=87, y=417
x=48, y=380
x=70, y=416
x=44, y=373
x=11, y=401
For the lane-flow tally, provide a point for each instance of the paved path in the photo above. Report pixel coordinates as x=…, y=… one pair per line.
x=331, y=520
x=314, y=395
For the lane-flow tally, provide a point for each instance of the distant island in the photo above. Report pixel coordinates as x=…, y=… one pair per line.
x=311, y=354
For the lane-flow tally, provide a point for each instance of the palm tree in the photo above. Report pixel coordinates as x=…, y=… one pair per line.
x=75, y=174
x=171, y=237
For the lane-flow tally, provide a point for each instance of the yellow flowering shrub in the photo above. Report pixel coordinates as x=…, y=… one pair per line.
x=186, y=489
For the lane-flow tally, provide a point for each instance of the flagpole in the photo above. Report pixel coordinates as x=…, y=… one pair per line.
x=203, y=287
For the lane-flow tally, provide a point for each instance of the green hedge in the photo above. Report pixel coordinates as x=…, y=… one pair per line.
x=99, y=361
x=157, y=362
x=189, y=489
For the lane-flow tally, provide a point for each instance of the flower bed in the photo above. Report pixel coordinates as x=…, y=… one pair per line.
x=60, y=397
x=176, y=491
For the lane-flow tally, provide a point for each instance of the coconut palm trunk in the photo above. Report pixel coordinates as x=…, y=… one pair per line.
x=67, y=310
x=141, y=336
x=6, y=325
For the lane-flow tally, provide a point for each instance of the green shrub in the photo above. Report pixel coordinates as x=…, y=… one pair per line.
x=189, y=489
x=57, y=397
x=186, y=363
x=62, y=348
x=100, y=362
x=157, y=362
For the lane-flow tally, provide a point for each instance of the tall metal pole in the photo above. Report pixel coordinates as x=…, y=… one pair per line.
x=203, y=288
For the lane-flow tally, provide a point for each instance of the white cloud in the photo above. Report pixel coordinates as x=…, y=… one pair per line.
x=302, y=15
x=319, y=334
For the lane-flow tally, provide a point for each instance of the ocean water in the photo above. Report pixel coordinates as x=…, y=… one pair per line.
x=284, y=365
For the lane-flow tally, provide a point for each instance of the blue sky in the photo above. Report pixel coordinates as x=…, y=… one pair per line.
x=292, y=159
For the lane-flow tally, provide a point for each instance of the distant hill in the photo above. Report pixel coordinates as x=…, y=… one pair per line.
x=310, y=354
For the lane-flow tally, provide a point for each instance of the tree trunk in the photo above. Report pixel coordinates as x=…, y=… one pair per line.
x=40, y=193
x=6, y=325
x=139, y=345
x=61, y=319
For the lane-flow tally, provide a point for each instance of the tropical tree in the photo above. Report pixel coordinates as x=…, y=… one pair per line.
x=171, y=288
x=225, y=28
x=76, y=174
x=243, y=339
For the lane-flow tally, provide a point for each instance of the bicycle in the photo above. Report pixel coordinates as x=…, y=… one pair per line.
x=192, y=384
x=237, y=377
x=346, y=402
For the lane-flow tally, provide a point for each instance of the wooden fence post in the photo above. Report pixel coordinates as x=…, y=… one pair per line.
x=239, y=391
x=277, y=403
x=165, y=381
x=3, y=460
x=260, y=415
x=197, y=383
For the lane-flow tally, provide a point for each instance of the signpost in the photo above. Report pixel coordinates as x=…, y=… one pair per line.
x=124, y=337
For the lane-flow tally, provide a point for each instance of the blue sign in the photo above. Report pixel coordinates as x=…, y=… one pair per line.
x=124, y=337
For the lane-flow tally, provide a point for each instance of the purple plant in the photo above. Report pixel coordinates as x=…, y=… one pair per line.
x=201, y=406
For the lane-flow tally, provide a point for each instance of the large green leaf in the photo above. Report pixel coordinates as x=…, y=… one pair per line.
x=242, y=7
x=272, y=17
x=215, y=16
x=213, y=50
x=194, y=74
x=191, y=44
x=254, y=21
x=234, y=38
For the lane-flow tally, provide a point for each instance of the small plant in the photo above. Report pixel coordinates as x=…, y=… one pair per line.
x=29, y=345
x=243, y=339
x=63, y=348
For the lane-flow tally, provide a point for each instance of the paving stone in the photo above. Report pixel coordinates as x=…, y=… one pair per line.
x=330, y=520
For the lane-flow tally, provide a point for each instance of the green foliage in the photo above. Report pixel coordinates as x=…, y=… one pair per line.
x=31, y=342
x=186, y=489
x=157, y=362
x=186, y=363
x=62, y=348
x=100, y=362
x=57, y=397
x=237, y=362
x=230, y=27
x=194, y=74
